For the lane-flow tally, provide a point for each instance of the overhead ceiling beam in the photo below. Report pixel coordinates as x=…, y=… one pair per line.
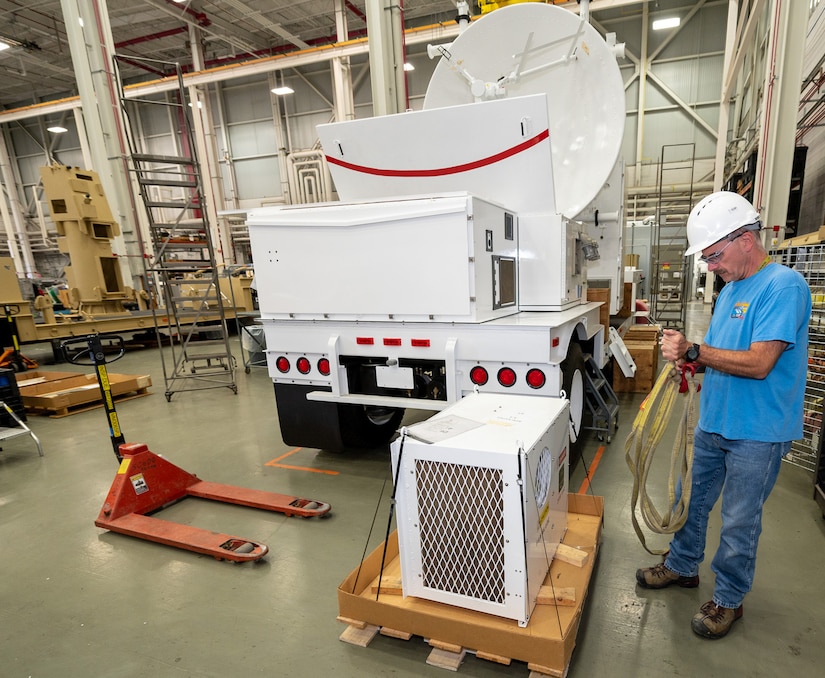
x=435, y=33
x=263, y=22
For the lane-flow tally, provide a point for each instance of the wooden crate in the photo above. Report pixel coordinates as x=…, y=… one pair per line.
x=646, y=357
x=643, y=334
x=601, y=294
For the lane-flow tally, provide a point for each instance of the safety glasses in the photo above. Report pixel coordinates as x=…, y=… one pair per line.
x=716, y=256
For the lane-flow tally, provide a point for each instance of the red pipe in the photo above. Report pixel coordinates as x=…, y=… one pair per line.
x=153, y=36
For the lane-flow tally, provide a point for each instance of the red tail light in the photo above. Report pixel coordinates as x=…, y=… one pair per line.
x=282, y=364
x=536, y=378
x=478, y=375
x=323, y=366
x=303, y=365
x=506, y=377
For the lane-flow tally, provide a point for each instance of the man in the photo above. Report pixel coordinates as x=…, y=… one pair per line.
x=755, y=354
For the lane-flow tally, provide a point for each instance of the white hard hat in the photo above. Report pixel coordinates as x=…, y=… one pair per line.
x=716, y=216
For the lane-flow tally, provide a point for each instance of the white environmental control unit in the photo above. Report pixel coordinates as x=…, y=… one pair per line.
x=481, y=501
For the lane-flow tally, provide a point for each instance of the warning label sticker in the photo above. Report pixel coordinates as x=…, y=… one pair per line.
x=139, y=483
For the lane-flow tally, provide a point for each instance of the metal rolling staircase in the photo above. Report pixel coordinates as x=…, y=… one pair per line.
x=602, y=403
x=192, y=321
x=671, y=271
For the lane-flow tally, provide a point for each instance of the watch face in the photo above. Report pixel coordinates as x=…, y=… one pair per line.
x=692, y=353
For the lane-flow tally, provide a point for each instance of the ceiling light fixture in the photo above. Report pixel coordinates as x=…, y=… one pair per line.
x=56, y=129
x=280, y=91
x=671, y=22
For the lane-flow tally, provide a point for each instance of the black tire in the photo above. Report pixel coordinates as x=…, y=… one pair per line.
x=330, y=426
x=368, y=426
x=574, y=387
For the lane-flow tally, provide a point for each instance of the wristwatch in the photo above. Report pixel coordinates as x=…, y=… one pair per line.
x=692, y=354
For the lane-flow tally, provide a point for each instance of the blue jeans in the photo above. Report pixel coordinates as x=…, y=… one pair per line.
x=744, y=473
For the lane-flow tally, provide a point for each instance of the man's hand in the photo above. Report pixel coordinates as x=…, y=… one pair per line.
x=674, y=346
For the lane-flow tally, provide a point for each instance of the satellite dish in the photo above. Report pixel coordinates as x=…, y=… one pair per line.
x=534, y=48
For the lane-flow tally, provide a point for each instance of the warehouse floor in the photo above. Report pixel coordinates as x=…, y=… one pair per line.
x=76, y=600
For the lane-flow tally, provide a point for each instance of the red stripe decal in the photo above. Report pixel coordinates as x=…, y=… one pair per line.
x=441, y=171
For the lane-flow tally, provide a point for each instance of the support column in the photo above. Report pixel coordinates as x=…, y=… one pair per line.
x=783, y=80
x=13, y=215
x=204, y=128
x=341, y=70
x=644, y=64
x=91, y=45
x=385, y=27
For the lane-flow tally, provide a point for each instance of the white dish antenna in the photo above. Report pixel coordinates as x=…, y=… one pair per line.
x=533, y=48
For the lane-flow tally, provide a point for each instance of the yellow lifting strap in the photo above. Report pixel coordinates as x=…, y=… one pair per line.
x=640, y=446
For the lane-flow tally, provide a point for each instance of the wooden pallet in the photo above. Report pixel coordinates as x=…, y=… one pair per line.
x=442, y=655
x=545, y=646
x=76, y=409
x=62, y=394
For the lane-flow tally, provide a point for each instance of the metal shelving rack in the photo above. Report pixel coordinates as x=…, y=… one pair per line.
x=809, y=260
x=671, y=271
x=193, y=320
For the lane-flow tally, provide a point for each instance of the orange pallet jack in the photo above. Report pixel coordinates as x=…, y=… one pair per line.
x=146, y=482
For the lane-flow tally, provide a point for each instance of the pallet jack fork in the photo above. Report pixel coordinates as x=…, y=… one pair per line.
x=146, y=482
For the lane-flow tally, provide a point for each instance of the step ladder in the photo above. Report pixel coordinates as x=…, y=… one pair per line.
x=672, y=272
x=9, y=432
x=601, y=400
x=190, y=316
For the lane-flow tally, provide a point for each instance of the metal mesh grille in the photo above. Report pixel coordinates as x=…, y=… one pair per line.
x=461, y=523
x=809, y=260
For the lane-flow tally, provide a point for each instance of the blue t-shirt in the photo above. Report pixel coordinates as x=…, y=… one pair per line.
x=773, y=304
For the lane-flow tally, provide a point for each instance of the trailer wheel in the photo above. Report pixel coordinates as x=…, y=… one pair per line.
x=573, y=384
x=368, y=426
x=332, y=426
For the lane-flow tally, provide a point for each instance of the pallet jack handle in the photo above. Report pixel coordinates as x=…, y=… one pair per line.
x=19, y=362
x=95, y=354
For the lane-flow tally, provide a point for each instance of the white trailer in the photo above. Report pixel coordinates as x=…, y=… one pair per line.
x=457, y=258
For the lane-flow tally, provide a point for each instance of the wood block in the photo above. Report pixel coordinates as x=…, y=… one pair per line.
x=447, y=647
x=498, y=659
x=446, y=660
x=357, y=636
x=572, y=555
x=557, y=595
x=351, y=622
x=539, y=671
x=389, y=585
x=394, y=633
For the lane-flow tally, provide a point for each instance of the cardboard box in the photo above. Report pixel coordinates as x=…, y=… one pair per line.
x=33, y=377
x=631, y=260
x=548, y=640
x=646, y=356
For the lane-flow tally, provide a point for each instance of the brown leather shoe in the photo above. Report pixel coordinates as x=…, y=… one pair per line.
x=713, y=621
x=659, y=576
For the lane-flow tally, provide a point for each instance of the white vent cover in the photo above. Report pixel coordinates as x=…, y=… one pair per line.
x=482, y=502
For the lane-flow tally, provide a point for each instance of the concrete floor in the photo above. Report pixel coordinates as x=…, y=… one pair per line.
x=79, y=601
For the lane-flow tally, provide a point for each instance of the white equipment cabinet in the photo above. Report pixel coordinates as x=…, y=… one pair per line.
x=481, y=491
